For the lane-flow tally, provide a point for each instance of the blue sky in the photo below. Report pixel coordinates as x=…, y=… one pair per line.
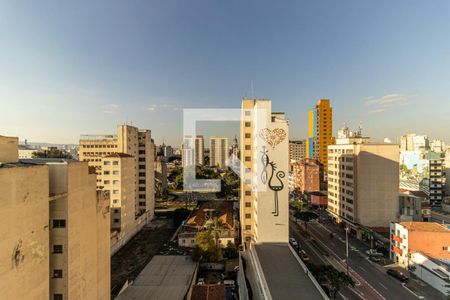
x=68, y=68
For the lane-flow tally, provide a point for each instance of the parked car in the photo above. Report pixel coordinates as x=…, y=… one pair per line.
x=229, y=283
x=293, y=242
x=303, y=256
x=374, y=258
x=201, y=281
x=398, y=275
x=373, y=252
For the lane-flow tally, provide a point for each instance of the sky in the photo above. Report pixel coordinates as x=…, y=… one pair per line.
x=81, y=67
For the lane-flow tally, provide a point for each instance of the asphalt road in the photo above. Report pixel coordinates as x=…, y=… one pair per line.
x=373, y=282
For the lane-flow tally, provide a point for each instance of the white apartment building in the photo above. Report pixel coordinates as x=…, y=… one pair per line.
x=218, y=147
x=363, y=182
x=264, y=173
x=297, y=150
x=193, y=151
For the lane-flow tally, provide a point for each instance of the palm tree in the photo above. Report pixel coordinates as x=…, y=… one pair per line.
x=215, y=229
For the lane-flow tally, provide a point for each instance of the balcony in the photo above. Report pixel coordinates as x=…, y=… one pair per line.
x=397, y=250
x=396, y=238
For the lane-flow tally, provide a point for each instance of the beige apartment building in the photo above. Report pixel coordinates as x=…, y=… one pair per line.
x=55, y=228
x=131, y=141
x=363, y=181
x=265, y=166
x=218, y=147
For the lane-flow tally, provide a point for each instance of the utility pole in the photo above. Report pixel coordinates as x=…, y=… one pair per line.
x=346, y=248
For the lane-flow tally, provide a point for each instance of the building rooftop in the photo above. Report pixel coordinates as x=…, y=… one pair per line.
x=208, y=292
x=424, y=226
x=165, y=277
x=221, y=209
x=285, y=275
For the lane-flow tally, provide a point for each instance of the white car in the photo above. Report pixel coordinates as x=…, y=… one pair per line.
x=293, y=242
x=373, y=252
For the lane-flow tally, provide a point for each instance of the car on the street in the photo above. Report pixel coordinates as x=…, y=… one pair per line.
x=374, y=258
x=293, y=242
x=303, y=256
x=373, y=252
x=398, y=275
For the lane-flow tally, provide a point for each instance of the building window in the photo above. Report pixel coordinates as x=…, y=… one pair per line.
x=248, y=216
x=106, y=182
x=141, y=196
x=115, y=181
x=141, y=151
x=115, y=163
x=58, y=297
x=141, y=174
x=248, y=239
x=141, y=181
x=116, y=172
x=142, y=189
x=248, y=193
x=57, y=248
x=141, y=167
x=106, y=172
x=106, y=163
x=248, y=147
x=248, y=158
x=248, y=204
x=248, y=227
x=141, y=159
x=142, y=203
x=248, y=124
x=116, y=211
x=57, y=273
x=248, y=135
x=59, y=223
x=248, y=113
x=116, y=220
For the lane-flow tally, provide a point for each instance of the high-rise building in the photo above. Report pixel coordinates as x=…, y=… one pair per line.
x=447, y=171
x=234, y=152
x=193, y=151
x=265, y=165
x=363, y=182
x=167, y=151
x=55, y=229
x=320, y=130
x=218, y=151
x=437, y=146
x=437, y=177
x=132, y=141
x=297, y=150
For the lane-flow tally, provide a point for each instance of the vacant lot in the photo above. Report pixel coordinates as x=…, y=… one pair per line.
x=129, y=261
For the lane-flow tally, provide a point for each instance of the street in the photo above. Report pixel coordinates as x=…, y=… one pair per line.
x=372, y=280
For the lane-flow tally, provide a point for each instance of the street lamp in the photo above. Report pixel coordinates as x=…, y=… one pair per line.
x=346, y=247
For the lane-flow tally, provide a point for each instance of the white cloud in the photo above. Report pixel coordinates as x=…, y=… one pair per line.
x=110, y=108
x=154, y=107
x=382, y=104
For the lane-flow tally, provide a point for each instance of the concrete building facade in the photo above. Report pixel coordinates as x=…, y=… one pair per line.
x=55, y=229
x=363, y=183
x=218, y=147
x=131, y=141
x=265, y=165
x=307, y=175
x=297, y=150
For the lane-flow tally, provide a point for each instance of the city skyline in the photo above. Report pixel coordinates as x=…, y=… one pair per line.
x=387, y=71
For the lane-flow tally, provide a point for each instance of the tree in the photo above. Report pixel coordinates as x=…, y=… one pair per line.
x=305, y=216
x=231, y=251
x=207, y=243
x=52, y=153
x=331, y=277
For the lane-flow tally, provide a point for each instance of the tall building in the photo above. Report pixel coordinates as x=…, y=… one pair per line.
x=218, y=151
x=167, y=151
x=308, y=175
x=193, y=150
x=363, y=182
x=55, y=229
x=297, y=150
x=437, y=146
x=265, y=166
x=234, y=152
x=437, y=177
x=447, y=171
x=320, y=130
x=134, y=142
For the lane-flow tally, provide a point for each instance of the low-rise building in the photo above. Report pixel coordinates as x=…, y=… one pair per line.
x=430, y=238
x=414, y=206
x=204, y=215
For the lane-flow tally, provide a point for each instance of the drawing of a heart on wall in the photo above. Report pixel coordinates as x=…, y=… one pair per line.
x=272, y=137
